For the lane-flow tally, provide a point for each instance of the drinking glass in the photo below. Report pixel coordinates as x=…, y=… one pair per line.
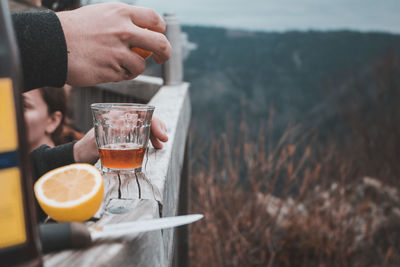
x=122, y=134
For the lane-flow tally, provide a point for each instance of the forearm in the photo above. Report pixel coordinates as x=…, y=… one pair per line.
x=45, y=158
x=42, y=47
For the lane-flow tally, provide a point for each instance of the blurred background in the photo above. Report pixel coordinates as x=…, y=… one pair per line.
x=295, y=135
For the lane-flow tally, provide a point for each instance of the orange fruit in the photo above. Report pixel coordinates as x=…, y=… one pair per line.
x=141, y=52
x=70, y=193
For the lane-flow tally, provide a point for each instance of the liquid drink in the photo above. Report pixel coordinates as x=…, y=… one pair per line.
x=121, y=156
x=122, y=132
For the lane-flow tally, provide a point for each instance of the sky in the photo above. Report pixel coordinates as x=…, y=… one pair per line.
x=283, y=15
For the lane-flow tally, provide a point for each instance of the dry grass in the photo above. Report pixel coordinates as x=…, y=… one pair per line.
x=291, y=204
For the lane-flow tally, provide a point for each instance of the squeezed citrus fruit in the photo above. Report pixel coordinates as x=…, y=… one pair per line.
x=141, y=52
x=70, y=193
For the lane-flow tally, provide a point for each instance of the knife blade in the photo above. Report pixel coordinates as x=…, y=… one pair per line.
x=129, y=228
x=59, y=236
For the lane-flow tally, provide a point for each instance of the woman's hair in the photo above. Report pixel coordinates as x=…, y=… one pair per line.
x=56, y=100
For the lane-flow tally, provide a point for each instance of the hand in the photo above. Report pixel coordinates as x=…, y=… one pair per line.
x=86, y=151
x=100, y=37
x=158, y=133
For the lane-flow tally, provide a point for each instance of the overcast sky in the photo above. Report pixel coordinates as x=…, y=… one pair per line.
x=280, y=15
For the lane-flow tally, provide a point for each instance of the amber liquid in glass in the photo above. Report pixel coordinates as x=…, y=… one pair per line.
x=121, y=156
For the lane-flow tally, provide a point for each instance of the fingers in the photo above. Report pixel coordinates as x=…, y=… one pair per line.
x=85, y=150
x=124, y=65
x=155, y=142
x=146, y=18
x=158, y=133
x=151, y=41
x=133, y=64
x=149, y=33
x=158, y=129
x=112, y=35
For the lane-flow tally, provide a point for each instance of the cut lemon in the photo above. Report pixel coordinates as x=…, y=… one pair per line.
x=70, y=193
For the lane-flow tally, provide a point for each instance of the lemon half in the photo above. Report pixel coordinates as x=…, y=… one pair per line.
x=70, y=193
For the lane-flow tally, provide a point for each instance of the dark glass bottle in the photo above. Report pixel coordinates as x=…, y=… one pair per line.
x=19, y=242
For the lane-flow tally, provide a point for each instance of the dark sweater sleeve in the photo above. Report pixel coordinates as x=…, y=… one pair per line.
x=45, y=158
x=42, y=47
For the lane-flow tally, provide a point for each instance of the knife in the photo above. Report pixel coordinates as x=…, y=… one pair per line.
x=58, y=236
x=128, y=228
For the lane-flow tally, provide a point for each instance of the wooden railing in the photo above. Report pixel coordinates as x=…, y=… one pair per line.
x=160, y=190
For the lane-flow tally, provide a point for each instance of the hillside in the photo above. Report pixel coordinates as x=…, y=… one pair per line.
x=232, y=71
x=323, y=193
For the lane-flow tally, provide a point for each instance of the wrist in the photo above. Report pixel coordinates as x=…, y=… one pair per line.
x=85, y=150
x=77, y=150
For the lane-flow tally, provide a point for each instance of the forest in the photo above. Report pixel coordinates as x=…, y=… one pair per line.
x=295, y=141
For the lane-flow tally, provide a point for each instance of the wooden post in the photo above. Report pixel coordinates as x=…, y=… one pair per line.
x=173, y=68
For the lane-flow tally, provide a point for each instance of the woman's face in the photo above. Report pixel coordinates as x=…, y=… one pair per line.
x=38, y=121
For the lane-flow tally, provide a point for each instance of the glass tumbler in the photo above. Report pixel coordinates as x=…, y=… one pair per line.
x=122, y=134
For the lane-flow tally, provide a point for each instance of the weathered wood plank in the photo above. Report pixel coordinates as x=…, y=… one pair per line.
x=164, y=166
x=147, y=189
x=139, y=90
x=182, y=233
x=112, y=190
x=148, y=86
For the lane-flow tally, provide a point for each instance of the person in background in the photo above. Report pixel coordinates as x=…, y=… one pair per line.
x=45, y=112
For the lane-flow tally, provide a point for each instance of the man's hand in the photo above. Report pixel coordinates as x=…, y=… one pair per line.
x=100, y=38
x=85, y=150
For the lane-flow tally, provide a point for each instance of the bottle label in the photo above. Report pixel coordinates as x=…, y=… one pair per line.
x=12, y=220
x=8, y=123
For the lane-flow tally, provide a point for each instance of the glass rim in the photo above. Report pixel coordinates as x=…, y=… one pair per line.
x=99, y=106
